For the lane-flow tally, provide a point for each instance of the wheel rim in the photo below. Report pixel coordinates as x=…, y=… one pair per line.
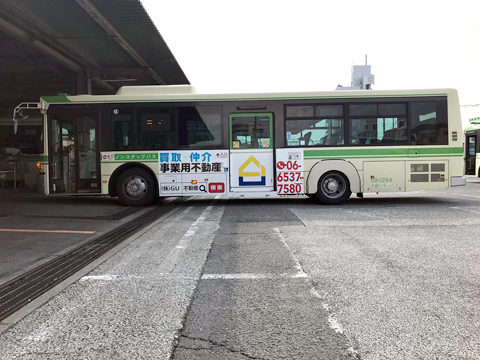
x=333, y=186
x=135, y=187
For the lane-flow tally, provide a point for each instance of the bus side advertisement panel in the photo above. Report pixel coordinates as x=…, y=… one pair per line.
x=198, y=172
x=290, y=171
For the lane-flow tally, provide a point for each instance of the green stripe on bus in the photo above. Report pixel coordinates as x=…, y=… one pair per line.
x=126, y=161
x=141, y=156
x=382, y=152
x=35, y=157
x=56, y=99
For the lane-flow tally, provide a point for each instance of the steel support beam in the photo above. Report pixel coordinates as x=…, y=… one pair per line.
x=110, y=29
x=48, y=50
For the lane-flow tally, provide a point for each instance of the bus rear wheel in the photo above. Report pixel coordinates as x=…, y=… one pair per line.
x=333, y=188
x=136, y=187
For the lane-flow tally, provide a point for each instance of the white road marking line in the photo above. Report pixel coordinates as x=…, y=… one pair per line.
x=173, y=256
x=332, y=320
x=284, y=242
x=100, y=277
x=160, y=276
x=185, y=240
x=182, y=245
x=252, y=276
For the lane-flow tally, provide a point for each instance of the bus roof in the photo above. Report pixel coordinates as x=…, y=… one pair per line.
x=180, y=93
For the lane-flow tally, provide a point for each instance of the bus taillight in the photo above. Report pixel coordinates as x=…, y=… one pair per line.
x=39, y=164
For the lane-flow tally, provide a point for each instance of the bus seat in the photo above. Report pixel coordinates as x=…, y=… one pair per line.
x=306, y=137
x=335, y=139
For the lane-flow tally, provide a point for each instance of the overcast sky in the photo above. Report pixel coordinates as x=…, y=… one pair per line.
x=269, y=46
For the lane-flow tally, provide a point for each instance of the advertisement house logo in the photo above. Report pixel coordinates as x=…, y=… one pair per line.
x=252, y=173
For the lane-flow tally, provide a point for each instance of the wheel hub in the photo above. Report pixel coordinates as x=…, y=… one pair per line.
x=135, y=187
x=332, y=186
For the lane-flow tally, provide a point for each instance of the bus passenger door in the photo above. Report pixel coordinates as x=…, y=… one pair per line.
x=74, y=154
x=251, y=153
x=470, y=154
x=87, y=154
x=61, y=145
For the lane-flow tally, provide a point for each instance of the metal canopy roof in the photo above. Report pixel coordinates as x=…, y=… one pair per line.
x=77, y=47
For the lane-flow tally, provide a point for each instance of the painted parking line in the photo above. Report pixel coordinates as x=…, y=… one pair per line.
x=253, y=276
x=48, y=231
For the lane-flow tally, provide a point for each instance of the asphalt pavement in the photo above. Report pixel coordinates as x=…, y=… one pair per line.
x=35, y=228
x=390, y=276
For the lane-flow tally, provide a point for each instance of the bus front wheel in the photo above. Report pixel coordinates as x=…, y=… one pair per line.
x=333, y=188
x=136, y=187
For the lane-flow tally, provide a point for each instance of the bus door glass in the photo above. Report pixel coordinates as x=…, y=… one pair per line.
x=251, y=152
x=87, y=154
x=61, y=140
x=471, y=146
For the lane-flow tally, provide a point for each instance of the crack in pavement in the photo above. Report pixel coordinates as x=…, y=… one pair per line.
x=210, y=344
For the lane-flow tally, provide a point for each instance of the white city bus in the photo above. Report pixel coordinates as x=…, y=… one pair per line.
x=150, y=141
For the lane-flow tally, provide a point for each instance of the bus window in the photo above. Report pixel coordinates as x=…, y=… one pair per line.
x=200, y=127
x=251, y=132
x=157, y=130
x=372, y=124
x=300, y=111
x=87, y=147
x=123, y=130
x=315, y=132
x=429, y=123
x=378, y=131
x=325, y=126
x=471, y=146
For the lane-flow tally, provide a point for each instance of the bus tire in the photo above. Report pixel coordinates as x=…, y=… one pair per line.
x=136, y=187
x=333, y=188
